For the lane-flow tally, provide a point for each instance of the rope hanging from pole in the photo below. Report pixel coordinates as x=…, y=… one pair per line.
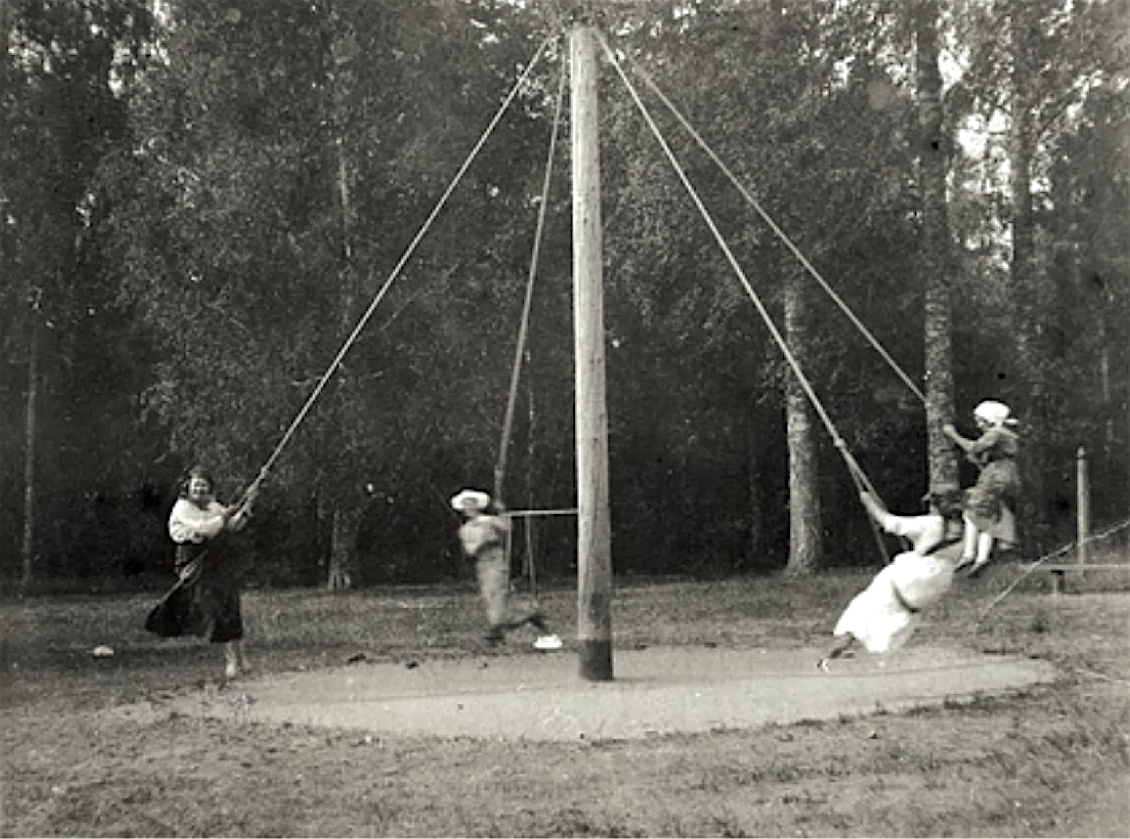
x=349, y=341
x=523, y=329
x=745, y=193
x=858, y=477
x=523, y=332
x=857, y=473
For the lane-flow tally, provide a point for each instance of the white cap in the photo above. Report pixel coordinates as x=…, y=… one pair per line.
x=470, y=499
x=993, y=412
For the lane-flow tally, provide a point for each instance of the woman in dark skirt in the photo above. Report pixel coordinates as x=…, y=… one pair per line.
x=990, y=505
x=206, y=600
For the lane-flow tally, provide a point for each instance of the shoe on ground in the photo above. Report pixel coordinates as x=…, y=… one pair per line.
x=822, y=665
x=548, y=642
x=976, y=569
x=963, y=563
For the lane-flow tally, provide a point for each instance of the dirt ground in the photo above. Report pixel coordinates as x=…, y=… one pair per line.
x=655, y=691
x=717, y=722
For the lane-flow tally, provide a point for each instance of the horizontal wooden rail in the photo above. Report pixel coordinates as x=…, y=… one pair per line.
x=1059, y=571
x=1090, y=566
x=532, y=513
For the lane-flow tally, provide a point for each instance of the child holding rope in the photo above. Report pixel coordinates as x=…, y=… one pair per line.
x=990, y=504
x=483, y=536
x=882, y=616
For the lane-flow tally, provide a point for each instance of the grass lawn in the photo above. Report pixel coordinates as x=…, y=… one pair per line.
x=1052, y=761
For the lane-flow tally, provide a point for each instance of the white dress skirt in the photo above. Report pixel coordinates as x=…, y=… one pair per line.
x=879, y=615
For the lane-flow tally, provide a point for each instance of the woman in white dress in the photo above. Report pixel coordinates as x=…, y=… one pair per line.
x=882, y=616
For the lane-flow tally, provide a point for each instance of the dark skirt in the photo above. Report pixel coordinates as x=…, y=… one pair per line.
x=206, y=602
x=991, y=503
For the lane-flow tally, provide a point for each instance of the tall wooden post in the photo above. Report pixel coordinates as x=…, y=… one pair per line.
x=594, y=551
x=1082, y=504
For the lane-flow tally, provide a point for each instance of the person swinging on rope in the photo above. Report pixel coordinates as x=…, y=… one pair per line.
x=483, y=536
x=883, y=616
x=990, y=504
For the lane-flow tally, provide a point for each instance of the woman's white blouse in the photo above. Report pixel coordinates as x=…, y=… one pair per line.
x=190, y=523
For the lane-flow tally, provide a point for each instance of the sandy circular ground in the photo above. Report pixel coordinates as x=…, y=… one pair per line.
x=655, y=691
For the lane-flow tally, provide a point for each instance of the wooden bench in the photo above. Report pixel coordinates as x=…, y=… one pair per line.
x=1059, y=571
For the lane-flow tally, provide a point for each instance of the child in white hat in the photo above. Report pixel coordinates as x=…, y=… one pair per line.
x=990, y=505
x=483, y=537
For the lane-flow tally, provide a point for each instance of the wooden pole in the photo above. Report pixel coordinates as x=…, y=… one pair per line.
x=594, y=554
x=1082, y=504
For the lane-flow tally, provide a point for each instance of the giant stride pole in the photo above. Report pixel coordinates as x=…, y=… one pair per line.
x=594, y=542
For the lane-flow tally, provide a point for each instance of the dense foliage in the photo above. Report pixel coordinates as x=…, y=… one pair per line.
x=199, y=206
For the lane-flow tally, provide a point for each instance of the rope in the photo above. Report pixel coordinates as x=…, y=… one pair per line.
x=779, y=232
x=853, y=467
x=523, y=330
x=394, y=273
x=1058, y=552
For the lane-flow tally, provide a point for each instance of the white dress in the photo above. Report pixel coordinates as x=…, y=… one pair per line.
x=883, y=615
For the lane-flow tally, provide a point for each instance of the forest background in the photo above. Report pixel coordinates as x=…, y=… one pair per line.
x=200, y=199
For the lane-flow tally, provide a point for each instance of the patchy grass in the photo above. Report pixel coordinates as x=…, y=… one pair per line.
x=1054, y=760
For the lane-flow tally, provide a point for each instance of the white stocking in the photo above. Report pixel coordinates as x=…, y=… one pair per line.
x=984, y=547
x=969, y=545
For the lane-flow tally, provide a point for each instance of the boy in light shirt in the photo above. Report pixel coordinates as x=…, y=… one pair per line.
x=483, y=537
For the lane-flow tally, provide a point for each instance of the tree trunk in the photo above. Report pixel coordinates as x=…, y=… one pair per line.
x=805, y=543
x=1026, y=282
x=754, y=460
x=935, y=250
x=530, y=568
x=345, y=521
x=1105, y=389
x=343, y=547
x=27, y=544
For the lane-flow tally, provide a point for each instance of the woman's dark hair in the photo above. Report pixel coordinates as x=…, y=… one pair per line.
x=196, y=471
